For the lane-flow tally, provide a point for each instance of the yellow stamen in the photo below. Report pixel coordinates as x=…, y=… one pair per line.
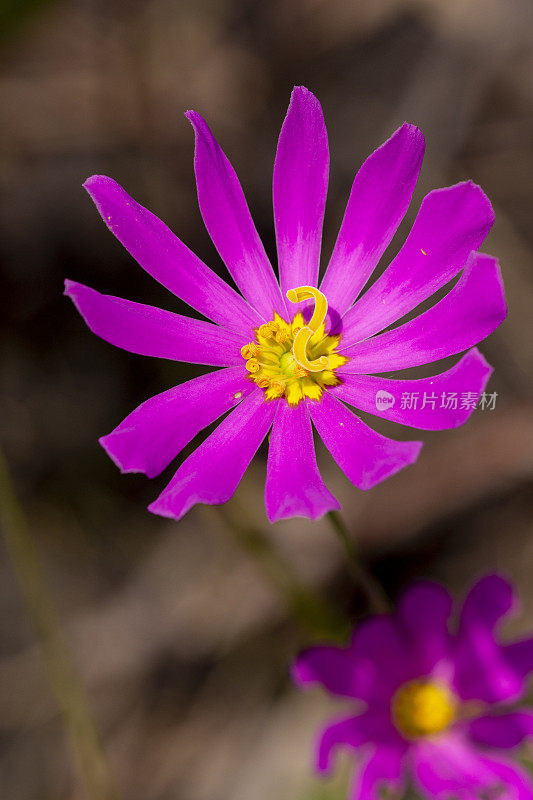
x=252, y=365
x=263, y=382
x=278, y=388
x=249, y=350
x=267, y=330
x=423, y=708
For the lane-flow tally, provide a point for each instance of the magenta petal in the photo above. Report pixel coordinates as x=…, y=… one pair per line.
x=151, y=331
x=481, y=670
x=370, y=669
x=336, y=669
x=380, y=196
x=153, y=435
x=438, y=400
x=466, y=315
x=423, y=613
x=294, y=486
x=379, y=641
x=519, y=656
x=450, y=224
x=167, y=259
x=383, y=770
x=517, y=782
x=451, y=767
x=299, y=190
x=353, y=732
x=230, y=225
x=503, y=730
x=366, y=457
x=344, y=733
x=212, y=473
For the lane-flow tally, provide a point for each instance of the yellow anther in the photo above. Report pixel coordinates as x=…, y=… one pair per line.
x=249, y=350
x=252, y=365
x=281, y=336
x=278, y=388
x=301, y=340
x=268, y=330
x=263, y=382
x=301, y=373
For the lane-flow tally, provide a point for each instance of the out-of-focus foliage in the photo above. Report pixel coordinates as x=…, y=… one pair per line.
x=14, y=13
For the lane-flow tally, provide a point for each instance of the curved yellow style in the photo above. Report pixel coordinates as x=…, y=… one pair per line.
x=301, y=340
x=299, y=351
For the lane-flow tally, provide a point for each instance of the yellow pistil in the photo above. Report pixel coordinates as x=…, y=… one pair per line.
x=299, y=349
x=321, y=303
x=303, y=335
x=273, y=366
x=423, y=708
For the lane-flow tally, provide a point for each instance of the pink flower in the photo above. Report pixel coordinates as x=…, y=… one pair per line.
x=430, y=706
x=280, y=368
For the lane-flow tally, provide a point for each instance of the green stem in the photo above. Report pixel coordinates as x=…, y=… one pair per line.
x=319, y=619
x=64, y=679
x=373, y=590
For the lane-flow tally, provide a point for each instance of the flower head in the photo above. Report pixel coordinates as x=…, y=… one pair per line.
x=292, y=352
x=430, y=706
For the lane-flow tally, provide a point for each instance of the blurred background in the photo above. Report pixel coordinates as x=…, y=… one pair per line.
x=178, y=631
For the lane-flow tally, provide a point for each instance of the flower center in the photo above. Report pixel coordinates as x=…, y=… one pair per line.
x=291, y=359
x=423, y=708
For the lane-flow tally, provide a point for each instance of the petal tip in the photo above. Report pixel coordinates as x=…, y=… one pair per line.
x=94, y=180
x=162, y=510
x=106, y=443
x=304, y=512
x=496, y=581
x=410, y=453
x=301, y=90
x=411, y=131
x=198, y=123
x=304, y=96
x=72, y=290
x=494, y=591
x=297, y=674
x=301, y=672
x=476, y=355
x=424, y=586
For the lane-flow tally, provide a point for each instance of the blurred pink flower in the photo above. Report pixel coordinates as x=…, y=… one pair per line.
x=281, y=369
x=435, y=708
